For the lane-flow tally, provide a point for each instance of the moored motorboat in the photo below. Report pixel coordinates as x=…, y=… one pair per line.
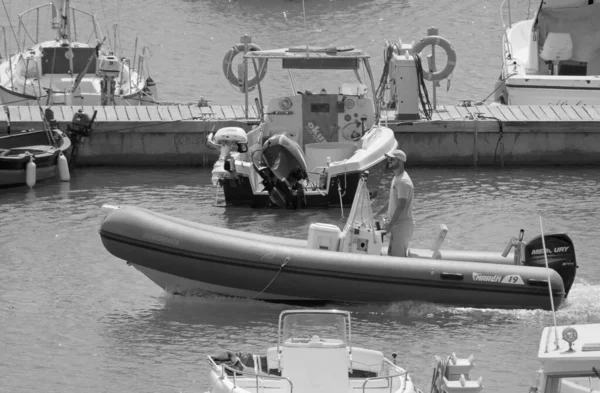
x=570, y=359
x=552, y=58
x=569, y=356
x=314, y=354
x=346, y=265
x=336, y=135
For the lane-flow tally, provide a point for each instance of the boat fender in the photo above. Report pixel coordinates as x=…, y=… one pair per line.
x=30, y=172
x=450, y=53
x=237, y=80
x=63, y=168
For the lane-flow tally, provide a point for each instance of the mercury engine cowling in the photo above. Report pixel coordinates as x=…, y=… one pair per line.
x=285, y=161
x=560, y=252
x=282, y=155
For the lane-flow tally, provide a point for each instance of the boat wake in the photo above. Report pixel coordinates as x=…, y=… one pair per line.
x=582, y=306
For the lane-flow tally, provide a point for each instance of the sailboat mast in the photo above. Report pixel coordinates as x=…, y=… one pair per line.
x=64, y=31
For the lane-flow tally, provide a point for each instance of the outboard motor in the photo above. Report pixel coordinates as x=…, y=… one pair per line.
x=78, y=130
x=560, y=253
x=285, y=160
x=227, y=139
x=282, y=154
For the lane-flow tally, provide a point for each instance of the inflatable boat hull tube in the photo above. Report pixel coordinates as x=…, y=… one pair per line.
x=191, y=258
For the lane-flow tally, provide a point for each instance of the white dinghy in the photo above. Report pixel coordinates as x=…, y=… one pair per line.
x=314, y=354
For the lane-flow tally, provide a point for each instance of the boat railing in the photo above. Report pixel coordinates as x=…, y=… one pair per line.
x=388, y=378
x=506, y=44
x=506, y=4
x=35, y=14
x=223, y=368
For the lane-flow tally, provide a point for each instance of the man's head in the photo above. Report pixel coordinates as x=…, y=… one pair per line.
x=396, y=159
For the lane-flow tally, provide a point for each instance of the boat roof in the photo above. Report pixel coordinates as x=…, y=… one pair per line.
x=313, y=57
x=584, y=355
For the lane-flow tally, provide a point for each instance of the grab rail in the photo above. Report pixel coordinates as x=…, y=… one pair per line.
x=235, y=372
x=388, y=377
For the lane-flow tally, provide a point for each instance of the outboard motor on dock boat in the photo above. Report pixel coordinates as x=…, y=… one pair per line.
x=78, y=130
x=560, y=252
x=227, y=139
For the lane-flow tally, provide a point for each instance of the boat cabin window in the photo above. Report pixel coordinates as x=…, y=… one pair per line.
x=323, y=64
x=56, y=60
x=304, y=328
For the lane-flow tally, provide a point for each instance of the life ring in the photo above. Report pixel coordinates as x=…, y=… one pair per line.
x=446, y=46
x=232, y=77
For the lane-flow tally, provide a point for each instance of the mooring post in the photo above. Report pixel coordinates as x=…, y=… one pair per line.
x=475, y=149
x=246, y=40
x=431, y=62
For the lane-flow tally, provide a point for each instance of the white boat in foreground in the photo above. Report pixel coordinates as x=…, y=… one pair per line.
x=314, y=354
x=552, y=58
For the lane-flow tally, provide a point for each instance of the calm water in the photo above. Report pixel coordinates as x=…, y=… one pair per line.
x=73, y=318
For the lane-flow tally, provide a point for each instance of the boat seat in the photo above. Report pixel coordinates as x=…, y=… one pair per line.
x=557, y=47
x=272, y=362
x=366, y=360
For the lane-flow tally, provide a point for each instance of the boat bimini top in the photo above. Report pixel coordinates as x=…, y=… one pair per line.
x=306, y=57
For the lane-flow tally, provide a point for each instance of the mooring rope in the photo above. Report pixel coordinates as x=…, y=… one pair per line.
x=285, y=262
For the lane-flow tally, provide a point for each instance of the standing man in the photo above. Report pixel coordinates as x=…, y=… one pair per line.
x=400, y=222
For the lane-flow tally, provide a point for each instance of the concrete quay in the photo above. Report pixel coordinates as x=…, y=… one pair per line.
x=455, y=135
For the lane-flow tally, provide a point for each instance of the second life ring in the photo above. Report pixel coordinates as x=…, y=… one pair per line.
x=232, y=77
x=446, y=46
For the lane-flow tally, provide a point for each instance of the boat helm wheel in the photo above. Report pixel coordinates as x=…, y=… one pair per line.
x=352, y=131
x=232, y=77
x=447, y=47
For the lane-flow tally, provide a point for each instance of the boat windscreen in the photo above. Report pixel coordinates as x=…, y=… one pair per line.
x=304, y=326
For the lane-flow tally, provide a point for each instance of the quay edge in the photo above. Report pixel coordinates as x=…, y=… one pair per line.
x=485, y=135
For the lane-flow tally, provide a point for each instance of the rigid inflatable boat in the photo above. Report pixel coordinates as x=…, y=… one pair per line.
x=335, y=265
x=333, y=136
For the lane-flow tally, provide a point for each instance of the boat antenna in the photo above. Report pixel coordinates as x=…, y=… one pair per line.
x=11, y=27
x=549, y=283
x=304, y=14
